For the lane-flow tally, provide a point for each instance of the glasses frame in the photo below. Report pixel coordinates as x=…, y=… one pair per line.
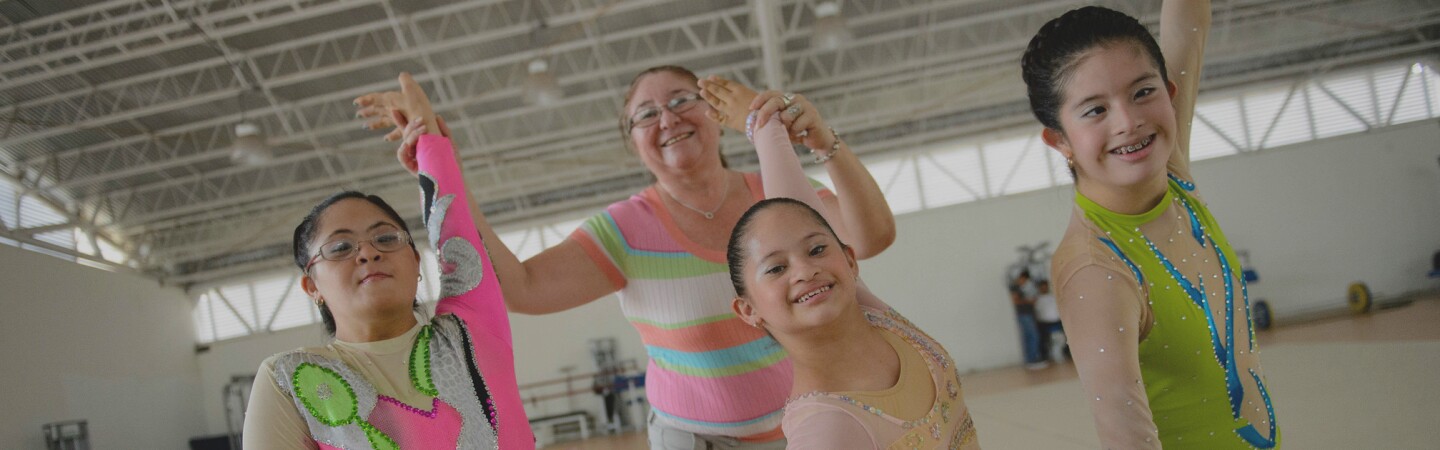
x=404, y=239
x=669, y=105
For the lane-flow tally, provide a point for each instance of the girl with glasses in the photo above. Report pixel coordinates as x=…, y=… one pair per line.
x=389, y=380
x=1150, y=291
x=712, y=381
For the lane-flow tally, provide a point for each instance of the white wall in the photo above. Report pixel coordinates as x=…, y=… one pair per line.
x=1315, y=217
x=241, y=357
x=81, y=343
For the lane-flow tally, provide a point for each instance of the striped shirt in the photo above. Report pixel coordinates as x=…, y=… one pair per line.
x=709, y=372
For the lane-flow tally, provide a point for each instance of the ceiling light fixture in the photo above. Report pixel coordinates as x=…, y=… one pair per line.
x=830, y=30
x=249, y=147
x=541, y=88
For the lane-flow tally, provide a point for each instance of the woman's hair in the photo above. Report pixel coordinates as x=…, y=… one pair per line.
x=305, y=232
x=635, y=83
x=1056, y=49
x=735, y=251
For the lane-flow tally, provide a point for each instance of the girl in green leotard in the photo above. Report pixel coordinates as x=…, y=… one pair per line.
x=1148, y=287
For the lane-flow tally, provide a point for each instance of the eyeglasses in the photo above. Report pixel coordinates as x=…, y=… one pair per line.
x=345, y=248
x=650, y=115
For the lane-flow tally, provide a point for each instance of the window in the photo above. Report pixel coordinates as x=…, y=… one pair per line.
x=1250, y=118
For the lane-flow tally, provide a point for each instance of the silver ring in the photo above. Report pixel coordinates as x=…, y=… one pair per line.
x=788, y=98
x=794, y=111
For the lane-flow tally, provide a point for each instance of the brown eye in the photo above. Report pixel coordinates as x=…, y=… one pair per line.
x=337, y=249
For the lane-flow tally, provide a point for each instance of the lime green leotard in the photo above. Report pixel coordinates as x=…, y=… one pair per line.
x=1199, y=363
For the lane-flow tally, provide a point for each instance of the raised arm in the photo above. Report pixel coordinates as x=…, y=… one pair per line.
x=559, y=278
x=1184, y=29
x=782, y=176
x=863, y=218
x=1102, y=323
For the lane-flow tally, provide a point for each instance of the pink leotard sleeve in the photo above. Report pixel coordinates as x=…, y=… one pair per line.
x=469, y=288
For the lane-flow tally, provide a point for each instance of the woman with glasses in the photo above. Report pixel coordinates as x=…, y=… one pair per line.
x=389, y=380
x=713, y=381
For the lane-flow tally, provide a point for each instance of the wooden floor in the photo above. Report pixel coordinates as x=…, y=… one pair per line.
x=633, y=440
x=1343, y=382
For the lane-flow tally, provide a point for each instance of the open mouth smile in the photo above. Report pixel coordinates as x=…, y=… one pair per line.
x=675, y=139
x=812, y=294
x=1134, y=148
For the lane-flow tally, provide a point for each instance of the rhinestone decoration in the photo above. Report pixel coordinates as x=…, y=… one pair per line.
x=1220, y=326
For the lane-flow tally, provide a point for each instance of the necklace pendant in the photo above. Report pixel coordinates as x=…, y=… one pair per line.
x=709, y=216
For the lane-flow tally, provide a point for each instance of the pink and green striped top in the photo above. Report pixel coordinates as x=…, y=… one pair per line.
x=709, y=372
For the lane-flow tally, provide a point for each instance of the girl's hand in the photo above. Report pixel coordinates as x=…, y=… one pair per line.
x=411, y=137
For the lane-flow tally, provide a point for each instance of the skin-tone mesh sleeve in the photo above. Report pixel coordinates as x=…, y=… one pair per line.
x=1102, y=313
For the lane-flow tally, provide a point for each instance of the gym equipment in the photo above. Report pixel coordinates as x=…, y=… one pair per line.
x=1359, y=298
x=1260, y=313
x=611, y=384
x=1435, y=266
x=67, y=435
x=1034, y=258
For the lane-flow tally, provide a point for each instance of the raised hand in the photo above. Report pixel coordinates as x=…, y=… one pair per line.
x=729, y=101
x=408, y=111
x=411, y=133
x=800, y=117
x=397, y=109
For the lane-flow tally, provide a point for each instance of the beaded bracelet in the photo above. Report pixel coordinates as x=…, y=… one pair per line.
x=834, y=147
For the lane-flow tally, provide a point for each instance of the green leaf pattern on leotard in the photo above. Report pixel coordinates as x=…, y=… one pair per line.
x=325, y=394
x=420, y=364
x=378, y=439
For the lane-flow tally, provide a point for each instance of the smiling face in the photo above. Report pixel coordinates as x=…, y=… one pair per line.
x=677, y=143
x=1116, y=118
x=797, y=276
x=369, y=283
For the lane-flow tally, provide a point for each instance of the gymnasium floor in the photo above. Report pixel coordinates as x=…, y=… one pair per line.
x=1346, y=382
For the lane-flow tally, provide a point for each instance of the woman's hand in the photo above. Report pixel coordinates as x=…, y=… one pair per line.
x=397, y=108
x=729, y=101
x=408, y=111
x=800, y=117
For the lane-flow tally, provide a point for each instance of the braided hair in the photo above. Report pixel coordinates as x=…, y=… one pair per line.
x=1060, y=44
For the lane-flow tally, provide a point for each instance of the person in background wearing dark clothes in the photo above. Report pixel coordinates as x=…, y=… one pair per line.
x=1047, y=319
x=1023, y=298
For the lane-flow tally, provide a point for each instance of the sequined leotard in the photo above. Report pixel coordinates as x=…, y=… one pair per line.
x=1197, y=354
x=459, y=368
